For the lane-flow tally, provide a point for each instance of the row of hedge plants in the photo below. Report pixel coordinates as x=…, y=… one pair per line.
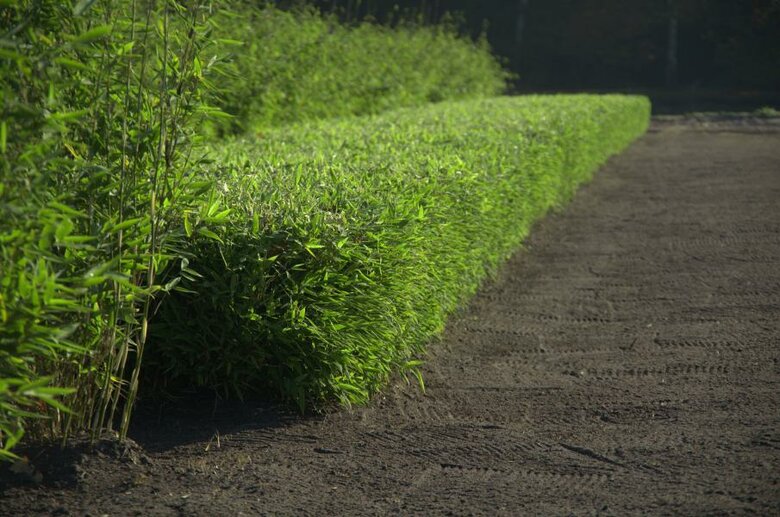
x=299, y=65
x=349, y=242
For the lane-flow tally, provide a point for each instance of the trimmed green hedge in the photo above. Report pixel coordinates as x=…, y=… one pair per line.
x=349, y=242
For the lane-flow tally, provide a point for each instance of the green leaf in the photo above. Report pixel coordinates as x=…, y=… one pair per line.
x=187, y=225
x=213, y=112
x=213, y=208
x=420, y=380
x=65, y=209
x=66, y=116
x=96, y=33
x=170, y=285
x=63, y=229
x=210, y=234
x=221, y=216
x=5, y=453
x=350, y=388
x=124, y=49
x=126, y=224
x=10, y=54
x=82, y=7
x=71, y=63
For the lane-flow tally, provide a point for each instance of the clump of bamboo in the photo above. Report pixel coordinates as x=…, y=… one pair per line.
x=97, y=106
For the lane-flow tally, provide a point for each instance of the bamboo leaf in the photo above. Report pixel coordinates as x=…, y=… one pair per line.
x=126, y=224
x=210, y=234
x=93, y=34
x=65, y=209
x=71, y=63
x=124, y=49
x=82, y=7
x=10, y=54
x=187, y=225
x=221, y=216
x=67, y=116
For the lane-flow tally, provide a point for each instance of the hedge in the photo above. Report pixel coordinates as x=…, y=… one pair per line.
x=293, y=66
x=348, y=243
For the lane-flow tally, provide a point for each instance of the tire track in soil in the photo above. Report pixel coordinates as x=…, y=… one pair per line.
x=626, y=362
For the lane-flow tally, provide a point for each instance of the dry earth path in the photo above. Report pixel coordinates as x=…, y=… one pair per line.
x=626, y=362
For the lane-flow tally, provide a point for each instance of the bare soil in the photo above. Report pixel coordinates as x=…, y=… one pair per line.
x=626, y=362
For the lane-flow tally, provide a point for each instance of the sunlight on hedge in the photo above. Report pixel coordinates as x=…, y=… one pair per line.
x=349, y=242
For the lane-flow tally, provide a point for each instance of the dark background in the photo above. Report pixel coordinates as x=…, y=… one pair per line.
x=686, y=54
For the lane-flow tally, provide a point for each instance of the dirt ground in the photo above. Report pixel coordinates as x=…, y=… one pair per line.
x=625, y=363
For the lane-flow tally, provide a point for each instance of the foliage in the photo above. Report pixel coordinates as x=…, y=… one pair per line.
x=298, y=65
x=311, y=260
x=350, y=241
x=96, y=115
x=100, y=178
